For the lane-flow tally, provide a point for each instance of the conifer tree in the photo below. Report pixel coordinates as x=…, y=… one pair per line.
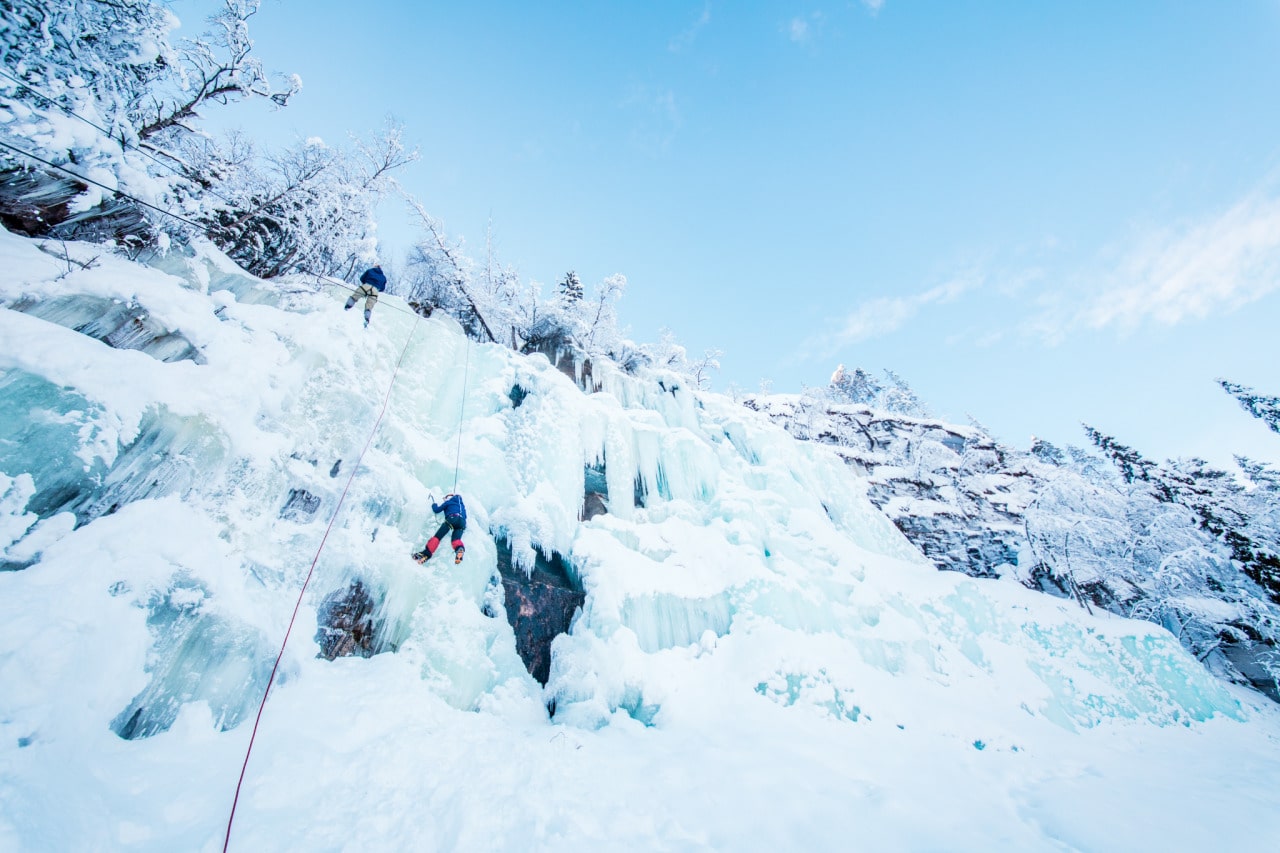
x=571, y=287
x=1265, y=408
x=1133, y=467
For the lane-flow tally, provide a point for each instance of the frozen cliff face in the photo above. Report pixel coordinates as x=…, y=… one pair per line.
x=740, y=649
x=1054, y=524
x=952, y=490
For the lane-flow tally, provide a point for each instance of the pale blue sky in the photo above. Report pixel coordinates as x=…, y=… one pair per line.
x=1038, y=214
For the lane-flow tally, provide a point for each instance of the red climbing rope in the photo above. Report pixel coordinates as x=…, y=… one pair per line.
x=271, y=680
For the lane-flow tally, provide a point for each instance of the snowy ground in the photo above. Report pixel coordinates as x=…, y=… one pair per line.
x=762, y=661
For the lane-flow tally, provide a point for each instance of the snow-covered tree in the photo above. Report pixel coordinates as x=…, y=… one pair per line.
x=570, y=288
x=103, y=89
x=856, y=387
x=667, y=353
x=101, y=60
x=441, y=276
x=598, y=317
x=1046, y=452
x=898, y=397
x=702, y=369
x=311, y=208
x=1131, y=464
x=1258, y=405
x=216, y=68
x=860, y=388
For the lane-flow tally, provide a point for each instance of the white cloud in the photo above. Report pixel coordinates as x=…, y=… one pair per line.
x=885, y=315
x=686, y=39
x=873, y=5
x=798, y=30
x=1190, y=272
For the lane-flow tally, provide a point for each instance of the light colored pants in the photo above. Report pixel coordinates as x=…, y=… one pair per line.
x=370, y=294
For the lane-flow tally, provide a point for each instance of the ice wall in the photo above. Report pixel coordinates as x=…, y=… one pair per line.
x=716, y=520
x=168, y=513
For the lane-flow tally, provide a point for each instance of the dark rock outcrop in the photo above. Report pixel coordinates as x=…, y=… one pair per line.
x=38, y=204
x=345, y=623
x=540, y=606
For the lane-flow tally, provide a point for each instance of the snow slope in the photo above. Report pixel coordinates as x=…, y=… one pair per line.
x=762, y=660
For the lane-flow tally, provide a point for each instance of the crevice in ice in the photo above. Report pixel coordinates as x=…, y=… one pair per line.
x=517, y=395
x=198, y=655
x=740, y=444
x=380, y=508
x=595, y=492
x=348, y=624
x=118, y=324
x=660, y=485
x=540, y=605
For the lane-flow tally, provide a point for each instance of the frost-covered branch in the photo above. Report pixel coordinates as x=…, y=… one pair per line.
x=440, y=258
x=214, y=69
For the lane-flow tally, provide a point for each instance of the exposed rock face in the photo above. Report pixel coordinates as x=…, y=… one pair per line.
x=540, y=606
x=952, y=490
x=38, y=204
x=595, y=497
x=593, y=504
x=345, y=623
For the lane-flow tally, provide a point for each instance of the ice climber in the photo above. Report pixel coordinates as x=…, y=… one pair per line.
x=455, y=518
x=373, y=282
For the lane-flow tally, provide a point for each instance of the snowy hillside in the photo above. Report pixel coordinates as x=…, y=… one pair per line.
x=760, y=661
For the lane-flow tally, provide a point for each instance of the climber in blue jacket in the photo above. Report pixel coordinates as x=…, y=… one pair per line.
x=373, y=282
x=455, y=518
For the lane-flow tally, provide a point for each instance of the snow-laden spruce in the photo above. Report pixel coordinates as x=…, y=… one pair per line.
x=761, y=660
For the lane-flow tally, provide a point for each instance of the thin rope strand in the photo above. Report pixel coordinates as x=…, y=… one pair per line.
x=457, y=462
x=271, y=679
x=124, y=146
x=201, y=228
x=112, y=190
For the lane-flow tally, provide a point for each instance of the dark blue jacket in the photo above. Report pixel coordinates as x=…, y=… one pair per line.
x=375, y=277
x=451, y=506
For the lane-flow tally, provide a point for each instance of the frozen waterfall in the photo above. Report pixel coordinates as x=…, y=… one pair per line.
x=760, y=659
